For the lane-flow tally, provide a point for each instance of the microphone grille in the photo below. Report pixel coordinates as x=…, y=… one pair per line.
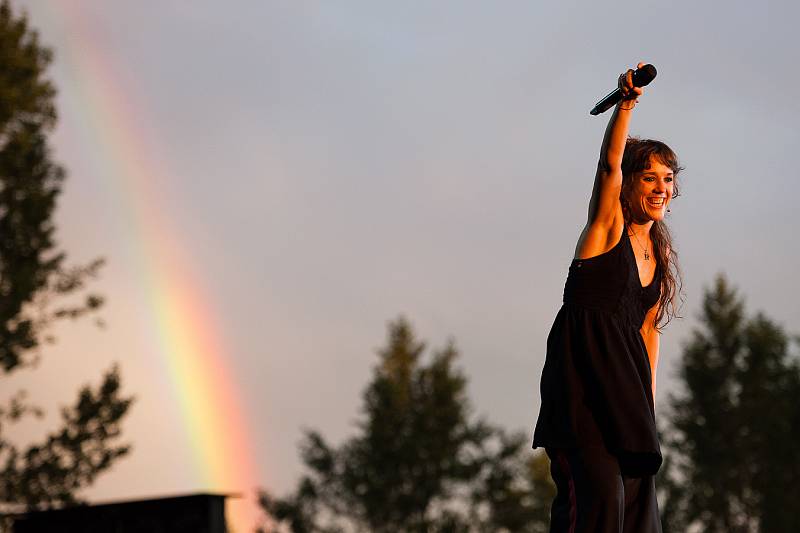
x=644, y=75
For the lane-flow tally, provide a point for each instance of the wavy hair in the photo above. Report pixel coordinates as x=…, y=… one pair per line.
x=636, y=158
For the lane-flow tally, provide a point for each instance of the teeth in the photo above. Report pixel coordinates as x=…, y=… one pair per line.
x=656, y=201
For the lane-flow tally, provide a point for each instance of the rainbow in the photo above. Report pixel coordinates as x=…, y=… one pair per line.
x=182, y=320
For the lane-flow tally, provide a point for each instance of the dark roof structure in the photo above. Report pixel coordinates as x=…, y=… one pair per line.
x=195, y=513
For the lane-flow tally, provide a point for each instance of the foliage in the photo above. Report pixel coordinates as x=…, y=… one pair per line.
x=32, y=277
x=71, y=457
x=732, y=464
x=419, y=462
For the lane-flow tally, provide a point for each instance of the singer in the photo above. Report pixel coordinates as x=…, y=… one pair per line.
x=597, y=417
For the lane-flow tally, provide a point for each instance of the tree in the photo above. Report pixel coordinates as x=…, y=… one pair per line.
x=419, y=461
x=514, y=487
x=32, y=277
x=732, y=432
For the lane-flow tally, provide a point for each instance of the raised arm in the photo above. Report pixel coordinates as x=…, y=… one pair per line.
x=604, y=220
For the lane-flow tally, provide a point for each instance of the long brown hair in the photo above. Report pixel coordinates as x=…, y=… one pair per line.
x=635, y=159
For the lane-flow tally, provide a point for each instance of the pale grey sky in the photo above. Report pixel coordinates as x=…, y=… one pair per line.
x=335, y=164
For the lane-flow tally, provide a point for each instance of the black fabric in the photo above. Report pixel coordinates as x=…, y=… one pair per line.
x=595, y=497
x=596, y=386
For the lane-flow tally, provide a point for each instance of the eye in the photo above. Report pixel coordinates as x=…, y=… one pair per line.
x=668, y=179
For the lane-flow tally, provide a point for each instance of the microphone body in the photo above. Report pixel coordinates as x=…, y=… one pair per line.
x=641, y=77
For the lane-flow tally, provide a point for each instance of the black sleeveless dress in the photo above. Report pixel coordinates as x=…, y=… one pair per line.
x=596, y=385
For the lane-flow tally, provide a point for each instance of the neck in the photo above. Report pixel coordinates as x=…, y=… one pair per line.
x=641, y=230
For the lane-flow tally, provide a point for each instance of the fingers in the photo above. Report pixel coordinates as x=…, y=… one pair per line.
x=625, y=83
x=629, y=91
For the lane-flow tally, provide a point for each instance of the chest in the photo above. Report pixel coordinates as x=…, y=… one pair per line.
x=645, y=261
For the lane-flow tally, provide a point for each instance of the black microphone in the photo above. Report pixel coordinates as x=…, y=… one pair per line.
x=641, y=77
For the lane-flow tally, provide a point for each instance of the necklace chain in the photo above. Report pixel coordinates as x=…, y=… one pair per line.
x=646, y=255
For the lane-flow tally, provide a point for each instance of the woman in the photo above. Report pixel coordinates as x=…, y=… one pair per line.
x=597, y=417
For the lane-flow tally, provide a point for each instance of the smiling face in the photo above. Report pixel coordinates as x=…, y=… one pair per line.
x=650, y=192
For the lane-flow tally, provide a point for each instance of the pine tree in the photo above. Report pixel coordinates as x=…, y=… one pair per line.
x=419, y=462
x=733, y=430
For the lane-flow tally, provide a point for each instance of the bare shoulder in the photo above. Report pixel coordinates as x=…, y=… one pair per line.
x=598, y=238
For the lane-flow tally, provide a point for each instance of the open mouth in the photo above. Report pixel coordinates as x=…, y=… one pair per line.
x=656, y=202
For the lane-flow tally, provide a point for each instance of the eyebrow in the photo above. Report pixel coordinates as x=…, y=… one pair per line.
x=650, y=172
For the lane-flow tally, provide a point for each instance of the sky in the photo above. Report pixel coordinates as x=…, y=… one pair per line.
x=319, y=169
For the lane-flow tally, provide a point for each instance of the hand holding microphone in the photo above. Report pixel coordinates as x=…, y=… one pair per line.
x=629, y=87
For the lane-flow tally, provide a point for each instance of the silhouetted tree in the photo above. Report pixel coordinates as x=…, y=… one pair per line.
x=515, y=487
x=419, y=462
x=733, y=431
x=32, y=277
